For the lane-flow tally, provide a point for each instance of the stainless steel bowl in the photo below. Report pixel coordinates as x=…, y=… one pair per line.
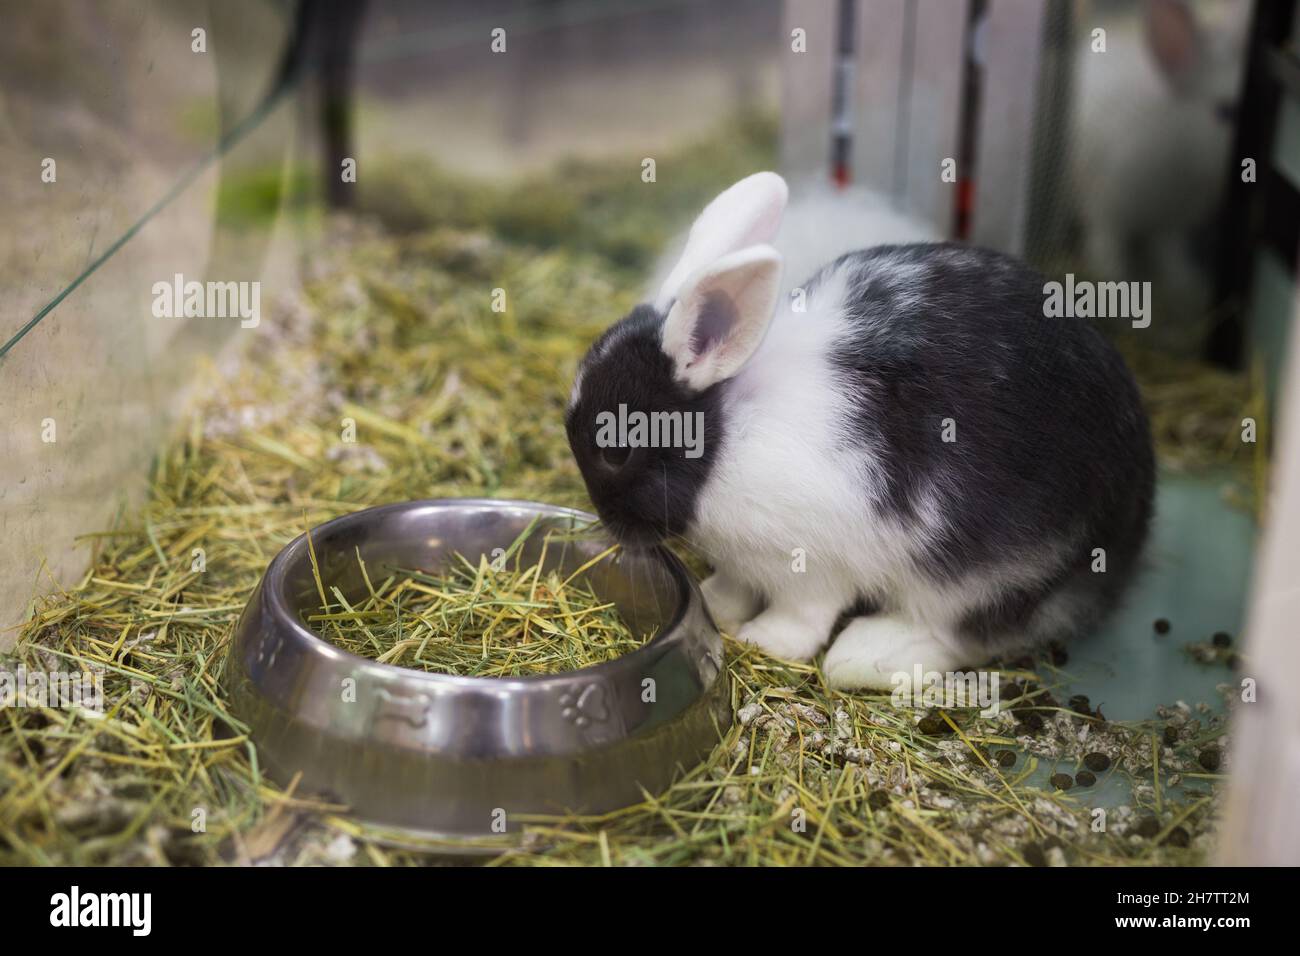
x=459, y=758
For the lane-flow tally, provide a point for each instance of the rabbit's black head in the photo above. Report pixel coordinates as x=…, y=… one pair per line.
x=643, y=441
x=645, y=417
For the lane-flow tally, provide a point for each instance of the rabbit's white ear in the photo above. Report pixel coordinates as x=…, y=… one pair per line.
x=746, y=214
x=1174, y=38
x=721, y=314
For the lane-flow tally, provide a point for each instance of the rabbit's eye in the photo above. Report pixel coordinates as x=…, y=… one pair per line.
x=615, y=456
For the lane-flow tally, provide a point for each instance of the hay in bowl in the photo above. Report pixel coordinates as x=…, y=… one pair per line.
x=499, y=618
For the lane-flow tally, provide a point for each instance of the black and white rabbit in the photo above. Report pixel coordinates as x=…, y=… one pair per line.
x=905, y=439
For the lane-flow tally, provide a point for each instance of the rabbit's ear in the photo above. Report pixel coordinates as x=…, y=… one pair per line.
x=747, y=214
x=721, y=314
x=1174, y=39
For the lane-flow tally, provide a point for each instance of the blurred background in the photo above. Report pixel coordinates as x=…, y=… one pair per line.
x=1144, y=140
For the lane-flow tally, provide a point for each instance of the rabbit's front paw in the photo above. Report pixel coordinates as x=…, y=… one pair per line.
x=796, y=637
x=730, y=603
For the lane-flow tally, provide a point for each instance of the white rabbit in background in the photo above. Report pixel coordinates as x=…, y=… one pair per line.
x=1151, y=134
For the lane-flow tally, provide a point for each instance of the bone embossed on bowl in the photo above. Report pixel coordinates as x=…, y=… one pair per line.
x=457, y=757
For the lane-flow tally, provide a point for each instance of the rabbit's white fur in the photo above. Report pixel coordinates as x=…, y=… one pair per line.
x=810, y=547
x=754, y=523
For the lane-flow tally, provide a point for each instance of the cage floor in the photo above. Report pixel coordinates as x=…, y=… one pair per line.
x=1197, y=579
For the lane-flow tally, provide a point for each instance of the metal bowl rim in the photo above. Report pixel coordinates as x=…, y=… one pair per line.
x=278, y=606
